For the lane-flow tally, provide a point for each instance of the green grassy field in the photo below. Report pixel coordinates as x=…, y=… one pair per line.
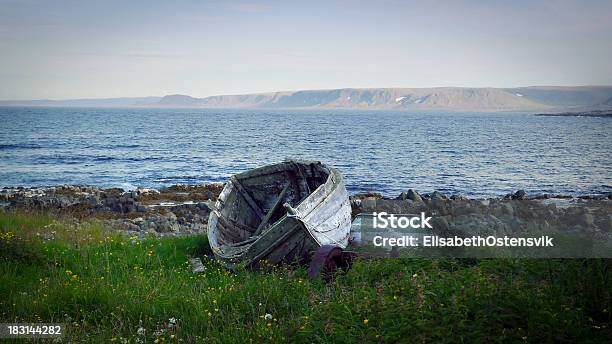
x=110, y=288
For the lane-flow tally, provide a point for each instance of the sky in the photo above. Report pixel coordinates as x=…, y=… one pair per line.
x=96, y=49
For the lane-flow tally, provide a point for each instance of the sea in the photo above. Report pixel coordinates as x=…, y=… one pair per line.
x=472, y=154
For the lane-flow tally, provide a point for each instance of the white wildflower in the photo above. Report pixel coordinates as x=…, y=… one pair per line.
x=268, y=316
x=141, y=331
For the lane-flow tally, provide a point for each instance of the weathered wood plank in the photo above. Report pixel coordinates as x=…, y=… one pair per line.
x=264, y=223
x=247, y=197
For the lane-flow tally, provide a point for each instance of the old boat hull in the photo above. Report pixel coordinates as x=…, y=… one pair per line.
x=249, y=223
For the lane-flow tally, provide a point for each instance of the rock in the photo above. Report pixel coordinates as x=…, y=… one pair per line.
x=440, y=224
x=208, y=195
x=196, y=265
x=164, y=225
x=588, y=219
x=151, y=225
x=465, y=224
x=93, y=200
x=171, y=216
x=144, y=191
x=198, y=227
x=413, y=196
x=440, y=206
x=507, y=209
x=459, y=198
x=128, y=208
x=356, y=207
x=516, y=224
x=520, y=195
x=131, y=227
x=144, y=225
x=437, y=195
x=367, y=195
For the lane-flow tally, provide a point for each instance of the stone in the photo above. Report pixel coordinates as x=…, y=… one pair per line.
x=520, y=195
x=93, y=200
x=146, y=191
x=129, y=208
x=506, y=208
x=410, y=195
x=588, y=219
x=516, y=224
x=440, y=224
x=196, y=265
x=131, y=227
x=144, y=225
x=367, y=195
x=171, y=216
x=437, y=195
x=413, y=196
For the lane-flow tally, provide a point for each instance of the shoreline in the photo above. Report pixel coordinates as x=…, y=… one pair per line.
x=180, y=189
x=594, y=113
x=184, y=209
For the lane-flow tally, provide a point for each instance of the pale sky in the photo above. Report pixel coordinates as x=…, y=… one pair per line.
x=78, y=49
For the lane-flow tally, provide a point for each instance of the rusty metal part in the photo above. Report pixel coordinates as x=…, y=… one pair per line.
x=327, y=259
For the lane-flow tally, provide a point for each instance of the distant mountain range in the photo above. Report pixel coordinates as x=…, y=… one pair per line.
x=534, y=98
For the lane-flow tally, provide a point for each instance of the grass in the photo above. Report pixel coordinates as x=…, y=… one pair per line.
x=110, y=288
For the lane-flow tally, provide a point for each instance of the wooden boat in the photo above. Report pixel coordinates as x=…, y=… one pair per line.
x=279, y=213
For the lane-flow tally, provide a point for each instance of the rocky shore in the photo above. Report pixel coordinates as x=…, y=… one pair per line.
x=511, y=214
x=176, y=210
x=595, y=113
x=184, y=209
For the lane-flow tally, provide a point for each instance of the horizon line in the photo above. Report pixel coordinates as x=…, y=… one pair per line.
x=294, y=90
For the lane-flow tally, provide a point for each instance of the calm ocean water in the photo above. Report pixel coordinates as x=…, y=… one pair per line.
x=476, y=155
